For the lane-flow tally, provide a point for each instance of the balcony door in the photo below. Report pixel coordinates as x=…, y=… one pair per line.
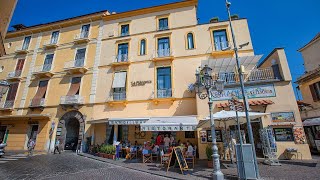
x=79, y=61
x=47, y=62
x=85, y=31
x=163, y=47
x=54, y=37
x=11, y=95
x=19, y=67
x=220, y=40
x=164, y=82
x=123, y=52
x=26, y=42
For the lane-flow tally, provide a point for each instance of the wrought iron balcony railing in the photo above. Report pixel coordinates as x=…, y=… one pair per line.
x=119, y=96
x=164, y=93
x=74, y=64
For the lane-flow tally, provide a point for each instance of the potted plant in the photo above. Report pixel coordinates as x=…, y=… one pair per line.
x=234, y=17
x=113, y=152
x=104, y=149
x=214, y=20
x=209, y=153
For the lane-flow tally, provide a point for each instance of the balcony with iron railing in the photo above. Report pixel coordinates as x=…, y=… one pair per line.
x=42, y=71
x=72, y=100
x=120, y=59
x=163, y=95
x=75, y=66
x=117, y=98
x=50, y=44
x=6, y=105
x=14, y=75
x=21, y=50
x=81, y=38
x=255, y=75
x=37, y=103
x=163, y=54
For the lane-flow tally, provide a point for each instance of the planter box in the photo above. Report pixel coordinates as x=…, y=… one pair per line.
x=101, y=154
x=210, y=164
x=105, y=155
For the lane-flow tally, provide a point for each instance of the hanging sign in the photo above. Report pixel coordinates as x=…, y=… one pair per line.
x=140, y=83
x=251, y=92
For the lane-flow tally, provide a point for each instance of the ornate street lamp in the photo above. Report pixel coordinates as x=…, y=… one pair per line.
x=4, y=86
x=205, y=82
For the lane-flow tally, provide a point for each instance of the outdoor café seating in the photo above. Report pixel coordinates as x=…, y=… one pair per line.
x=192, y=159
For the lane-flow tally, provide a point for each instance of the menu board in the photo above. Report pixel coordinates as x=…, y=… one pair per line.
x=178, y=155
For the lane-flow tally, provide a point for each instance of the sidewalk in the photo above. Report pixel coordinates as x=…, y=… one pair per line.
x=290, y=169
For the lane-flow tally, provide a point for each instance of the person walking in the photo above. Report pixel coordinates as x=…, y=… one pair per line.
x=57, y=147
x=31, y=145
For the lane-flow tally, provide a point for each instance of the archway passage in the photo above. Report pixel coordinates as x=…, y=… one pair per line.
x=72, y=135
x=70, y=130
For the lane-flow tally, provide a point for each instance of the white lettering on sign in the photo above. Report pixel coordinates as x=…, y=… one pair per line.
x=125, y=122
x=251, y=92
x=168, y=128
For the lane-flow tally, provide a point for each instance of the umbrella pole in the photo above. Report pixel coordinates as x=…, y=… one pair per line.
x=241, y=144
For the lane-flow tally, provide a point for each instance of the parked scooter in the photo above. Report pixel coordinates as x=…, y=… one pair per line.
x=2, y=146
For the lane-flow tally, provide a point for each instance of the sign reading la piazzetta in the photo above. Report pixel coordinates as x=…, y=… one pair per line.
x=261, y=91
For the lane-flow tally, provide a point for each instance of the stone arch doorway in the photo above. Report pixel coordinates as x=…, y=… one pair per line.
x=71, y=130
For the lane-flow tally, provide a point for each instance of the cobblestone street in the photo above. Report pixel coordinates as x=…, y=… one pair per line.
x=71, y=166
x=65, y=166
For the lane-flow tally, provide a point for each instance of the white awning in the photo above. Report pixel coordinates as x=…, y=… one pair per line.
x=119, y=80
x=119, y=121
x=229, y=64
x=127, y=121
x=174, y=123
x=312, y=122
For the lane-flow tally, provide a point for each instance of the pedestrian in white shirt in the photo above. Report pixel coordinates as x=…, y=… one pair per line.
x=171, y=139
x=166, y=142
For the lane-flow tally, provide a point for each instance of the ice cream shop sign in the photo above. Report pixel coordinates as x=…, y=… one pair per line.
x=251, y=92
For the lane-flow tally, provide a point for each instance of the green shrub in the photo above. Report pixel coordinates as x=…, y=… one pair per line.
x=209, y=152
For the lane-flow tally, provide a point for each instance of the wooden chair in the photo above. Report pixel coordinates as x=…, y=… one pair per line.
x=156, y=154
x=133, y=153
x=147, y=158
x=165, y=158
x=192, y=159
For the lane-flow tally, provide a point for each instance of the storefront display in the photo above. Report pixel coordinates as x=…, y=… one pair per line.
x=218, y=136
x=283, y=134
x=282, y=117
x=299, y=136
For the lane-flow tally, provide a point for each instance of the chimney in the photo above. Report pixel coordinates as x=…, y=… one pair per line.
x=19, y=27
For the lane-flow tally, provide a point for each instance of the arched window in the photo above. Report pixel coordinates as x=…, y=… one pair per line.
x=190, y=41
x=143, y=47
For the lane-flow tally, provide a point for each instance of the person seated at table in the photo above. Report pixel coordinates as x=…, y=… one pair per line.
x=178, y=143
x=189, y=150
x=171, y=139
x=152, y=142
x=146, y=148
x=155, y=149
x=136, y=143
x=170, y=149
x=166, y=142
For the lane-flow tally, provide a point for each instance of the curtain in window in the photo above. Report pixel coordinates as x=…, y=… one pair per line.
x=40, y=93
x=190, y=41
x=26, y=42
x=85, y=31
x=54, y=37
x=75, y=86
x=143, y=47
x=47, y=62
x=79, y=61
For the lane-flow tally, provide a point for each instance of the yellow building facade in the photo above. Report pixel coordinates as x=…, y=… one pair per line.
x=128, y=76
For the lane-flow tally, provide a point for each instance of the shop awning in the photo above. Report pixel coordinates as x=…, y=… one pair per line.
x=228, y=64
x=312, y=122
x=251, y=103
x=29, y=116
x=119, y=121
x=174, y=123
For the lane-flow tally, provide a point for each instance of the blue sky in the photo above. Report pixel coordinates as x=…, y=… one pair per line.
x=273, y=23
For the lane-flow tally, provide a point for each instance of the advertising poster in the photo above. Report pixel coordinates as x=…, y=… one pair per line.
x=282, y=117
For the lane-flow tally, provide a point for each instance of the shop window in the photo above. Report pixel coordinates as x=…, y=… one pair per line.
x=283, y=134
x=189, y=134
x=315, y=91
x=218, y=136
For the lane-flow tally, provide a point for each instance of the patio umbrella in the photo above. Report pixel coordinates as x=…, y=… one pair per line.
x=229, y=117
